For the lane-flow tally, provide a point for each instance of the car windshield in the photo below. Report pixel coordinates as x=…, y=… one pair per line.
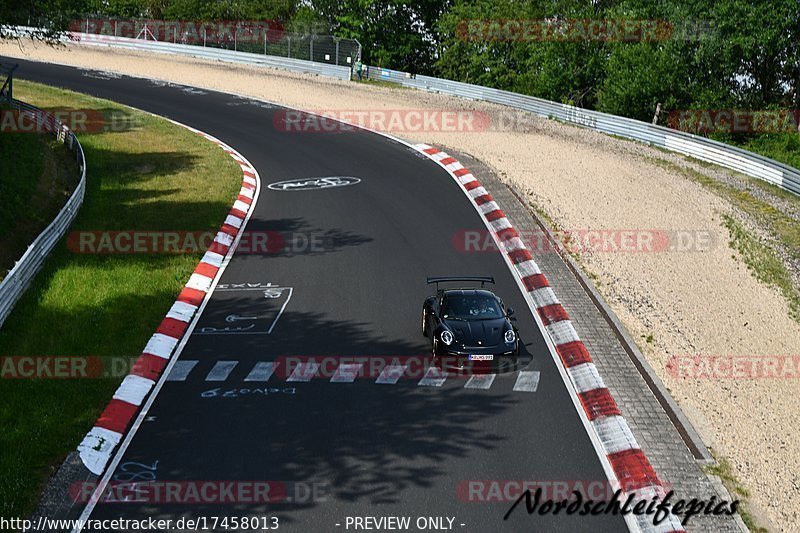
x=475, y=307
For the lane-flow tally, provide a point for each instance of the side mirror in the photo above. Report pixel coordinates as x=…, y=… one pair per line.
x=509, y=311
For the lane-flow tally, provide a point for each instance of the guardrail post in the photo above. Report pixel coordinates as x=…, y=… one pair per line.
x=289, y=47
x=311, y=44
x=337, y=52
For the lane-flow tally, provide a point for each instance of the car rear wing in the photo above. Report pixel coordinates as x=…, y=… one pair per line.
x=482, y=279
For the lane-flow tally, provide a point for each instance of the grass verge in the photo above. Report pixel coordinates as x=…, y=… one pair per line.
x=761, y=260
x=724, y=471
x=151, y=175
x=37, y=176
x=381, y=82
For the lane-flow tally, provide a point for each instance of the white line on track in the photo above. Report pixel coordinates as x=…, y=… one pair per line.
x=391, y=374
x=346, y=373
x=527, y=381
x=304, y=371
x=181, y=370
x=221, y=370
x=261, y=372
x=480, y=381
x=434, y=377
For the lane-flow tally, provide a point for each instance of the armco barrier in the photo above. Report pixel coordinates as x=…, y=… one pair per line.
x=696, y=146
x=217, y=54
x=19, y=278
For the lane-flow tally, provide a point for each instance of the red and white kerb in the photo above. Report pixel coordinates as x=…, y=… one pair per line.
x=97, y=446
x=631, y=467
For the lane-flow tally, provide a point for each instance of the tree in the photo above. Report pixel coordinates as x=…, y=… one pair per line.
x=393, y=33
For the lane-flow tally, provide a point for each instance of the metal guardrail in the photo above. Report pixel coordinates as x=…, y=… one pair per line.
x=13, y=286
x=702, y=148
x=218, y=54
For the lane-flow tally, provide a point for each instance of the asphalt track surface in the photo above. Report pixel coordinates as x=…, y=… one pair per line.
x=369, y=449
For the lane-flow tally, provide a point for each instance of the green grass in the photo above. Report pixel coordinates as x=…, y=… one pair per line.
x=762, y=262
x=377, y=81
x=724, y=471
x=154, y=175
x=21, y=155
x=37, y=175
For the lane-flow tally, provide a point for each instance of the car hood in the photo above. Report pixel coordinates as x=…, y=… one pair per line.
x=478, y=332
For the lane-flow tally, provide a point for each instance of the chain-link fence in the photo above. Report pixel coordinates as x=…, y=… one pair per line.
x=259, y=37
x=320, y=48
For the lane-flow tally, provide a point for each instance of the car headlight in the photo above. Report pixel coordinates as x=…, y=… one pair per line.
x=510, y=336
x=447, y=337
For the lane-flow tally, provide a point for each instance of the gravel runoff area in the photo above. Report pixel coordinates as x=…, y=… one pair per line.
x=675, y=303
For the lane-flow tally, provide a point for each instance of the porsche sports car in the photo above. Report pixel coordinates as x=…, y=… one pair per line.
x=468, y=324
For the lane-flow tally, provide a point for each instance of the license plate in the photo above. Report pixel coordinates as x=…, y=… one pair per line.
x=475, y=357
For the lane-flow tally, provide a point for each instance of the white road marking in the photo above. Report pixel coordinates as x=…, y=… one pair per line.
x=527, y=381
x=346, y=373
x=261, y=372
x=434, y=377
x=391, y=373
x=304, y=371
x=221, y=370
x=281, y=311
x=480, y=381
x=181, y=370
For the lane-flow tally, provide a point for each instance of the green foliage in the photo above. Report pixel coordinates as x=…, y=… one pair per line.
x=724, y=54
x=393, y=33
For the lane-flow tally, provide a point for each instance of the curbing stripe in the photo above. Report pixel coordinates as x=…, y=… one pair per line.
x=627, y=462
x=236, y=222
x=99, y=444
x=562, y=332
x=544, y=297
x=585, y=377
x=133, y=389
x=241, y=206
x=182, y=311
x=199, y=282
x=172, y=327
x=160, y=345
x=117, y=415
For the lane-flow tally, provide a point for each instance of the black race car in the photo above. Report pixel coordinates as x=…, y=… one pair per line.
x=468, y=324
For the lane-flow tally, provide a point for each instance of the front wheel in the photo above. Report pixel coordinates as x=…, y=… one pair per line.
x=424, y=323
